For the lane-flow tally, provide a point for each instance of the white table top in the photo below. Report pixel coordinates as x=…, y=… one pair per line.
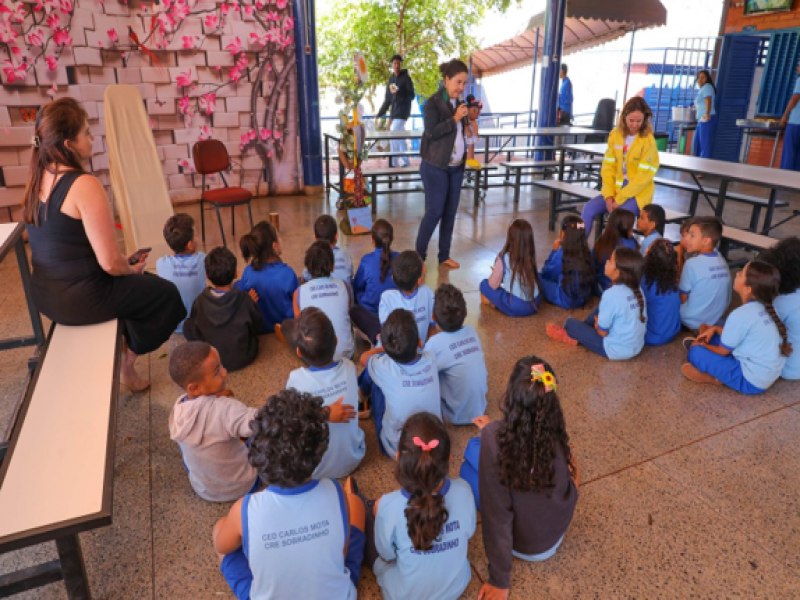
x=731, y=171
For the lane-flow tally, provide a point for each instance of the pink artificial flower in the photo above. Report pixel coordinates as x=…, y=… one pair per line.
x=288, y=23
x=260, y=4
x=255, y=39
x=248, y=11
x=211, y=21
x=241, y=62
x=277, y=134
x=234, y=74
x=65, y=6
x=53, y=21
x=15, y=50
x=273, y=16
x=61, y=37
x=205, y=132
x=224, y=9
x=113, y=36
x=19, y=13
x=183, y=106
x=208, y=103
x=180, y=11
x=235, y=46
x=244, y=139
x=38, y=7
x=36, y=37
x=281, y=4
x=287, y=40
x=184, y=79
x=189, y=41
x=265, y=133
x=10, y=72
x=52, y=62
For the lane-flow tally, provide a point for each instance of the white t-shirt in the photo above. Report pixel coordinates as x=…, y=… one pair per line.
x=332, y=297
x=419, y=303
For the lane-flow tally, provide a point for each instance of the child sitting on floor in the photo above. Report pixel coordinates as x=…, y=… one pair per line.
x=660, y=288
x=400, y=382
x=618, y=233
x=651, y=225
x=331, y=379
x=299, y=537
x=683, y=254
x=785, y=256
x=459, y=358
x=513, y=286
x=617, y=328
x=325, y=229
x=271, y=278
x=749, y=352
x=373, y=277
x=411, y=294
x=185, y=268
x=705, y=283
x=526, y=473
x=422, y=530
x=568, y=276
x=226, y=318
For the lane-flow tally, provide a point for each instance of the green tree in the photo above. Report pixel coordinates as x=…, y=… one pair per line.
x=423, y=31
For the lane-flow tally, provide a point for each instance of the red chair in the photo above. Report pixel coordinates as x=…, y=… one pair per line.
x=211, y=156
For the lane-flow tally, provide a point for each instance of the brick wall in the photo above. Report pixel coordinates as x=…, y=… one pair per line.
x=736, y=20
x=94, y=60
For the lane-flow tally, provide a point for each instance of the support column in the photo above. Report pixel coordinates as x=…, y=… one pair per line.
x=555, y=12
x=305, y=40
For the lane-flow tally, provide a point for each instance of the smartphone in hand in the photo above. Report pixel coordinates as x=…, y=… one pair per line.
x=137, y=256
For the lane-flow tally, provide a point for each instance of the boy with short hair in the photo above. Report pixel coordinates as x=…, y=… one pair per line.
x=186, y=267
x=411, y=294
x=299, y=537
x=459, y=358
x=326, y=229
x=330, y=379
x=400, y=378
x=651, y=225
x=705, y=284
x=227, y=318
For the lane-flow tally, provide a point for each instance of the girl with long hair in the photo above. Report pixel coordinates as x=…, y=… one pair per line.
x=525, y=473
x=749, y=352
x=706, y=115
x=618, y=233
x=513, y=286
x=660, y=288
x=568, y=275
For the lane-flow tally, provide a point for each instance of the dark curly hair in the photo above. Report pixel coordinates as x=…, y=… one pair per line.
x=578, y=273
x=319, y=259
x=449, y=308
x=290, y=435
x=532, y=428
x=785, y=256
x=420, y=472
x=661, y=266
x=179, y=231
x=259, y=245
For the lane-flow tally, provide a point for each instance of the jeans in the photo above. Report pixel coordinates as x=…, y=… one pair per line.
x=442, y=194
x=398, y=145
x=586, y=334
x=597, y=206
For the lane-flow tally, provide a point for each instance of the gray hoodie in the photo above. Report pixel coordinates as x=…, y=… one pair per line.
x=208, y=430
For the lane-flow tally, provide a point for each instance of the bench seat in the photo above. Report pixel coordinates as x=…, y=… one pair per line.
x=532, y=166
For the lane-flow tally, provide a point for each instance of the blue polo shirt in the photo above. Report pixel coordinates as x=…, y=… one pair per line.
x=419, y=303
x=754, y=341
x=275, y=284
x=663, y=314
x=706, y=280
x=188, y=273
x=367, y=284
x=647, y=240
x=619, y=316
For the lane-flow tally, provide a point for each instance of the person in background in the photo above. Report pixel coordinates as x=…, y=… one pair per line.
x=564, y=113
x=790, y=159
x=703, y=141
x=399, y=95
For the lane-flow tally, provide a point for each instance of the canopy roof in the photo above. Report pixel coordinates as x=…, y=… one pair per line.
x=587, y=23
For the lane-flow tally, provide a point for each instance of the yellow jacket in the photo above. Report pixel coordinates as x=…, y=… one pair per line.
x=642, y=165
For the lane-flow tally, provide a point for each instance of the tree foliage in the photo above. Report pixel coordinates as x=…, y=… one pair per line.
x=424, y=32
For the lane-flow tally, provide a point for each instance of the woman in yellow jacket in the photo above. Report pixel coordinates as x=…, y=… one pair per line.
x=629, y=165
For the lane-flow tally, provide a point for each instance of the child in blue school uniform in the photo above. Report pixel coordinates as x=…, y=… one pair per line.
x=618, y=233
x=513, y=286
x=785, y=256
x=272, y=279
x=705, y=283
x=616, y=330
x=422, y=530
x=373, y=277
x=300, y=537
x=660, y=288
x=650, y=223
x=411, y=294
x=459, y=358
x=332, y=380
x=323, y=291
x=399, y=379
x=749, y=352
x=325, y=229
x=568, y=275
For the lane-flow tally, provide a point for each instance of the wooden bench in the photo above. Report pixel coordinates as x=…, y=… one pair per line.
x=517, y=167
x=56, y=479
x=756, y=202
x=743, y=239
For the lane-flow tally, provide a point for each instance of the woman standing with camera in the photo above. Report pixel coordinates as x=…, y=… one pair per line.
x=443, y=151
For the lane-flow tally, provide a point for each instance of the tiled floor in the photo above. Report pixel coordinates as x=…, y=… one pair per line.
x=688, y=491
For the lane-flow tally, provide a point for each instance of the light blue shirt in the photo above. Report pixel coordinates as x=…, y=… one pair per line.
x=462, y=374
x=419, y=303
x=332, y=297
x=706, y=279
x=788, y=309
x=515, y=288
x=707, y=91
x=441, y=573
x=346, y=445
x=409, y=388
x=794, y=116
x=619, y=316
x=647, y=240
x=293, y=539
x=342, y=266
x=753, y=338
x=188, y=273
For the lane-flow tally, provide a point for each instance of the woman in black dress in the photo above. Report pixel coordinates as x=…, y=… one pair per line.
x=80, y=277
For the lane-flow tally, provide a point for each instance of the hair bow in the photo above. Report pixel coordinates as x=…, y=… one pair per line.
x=426, y=447
x=580, y=225
x=539, y=373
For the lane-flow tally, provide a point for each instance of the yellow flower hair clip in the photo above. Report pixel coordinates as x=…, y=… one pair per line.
x=539, y=373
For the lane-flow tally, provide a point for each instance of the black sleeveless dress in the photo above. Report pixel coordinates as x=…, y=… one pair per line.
x=70, y=287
